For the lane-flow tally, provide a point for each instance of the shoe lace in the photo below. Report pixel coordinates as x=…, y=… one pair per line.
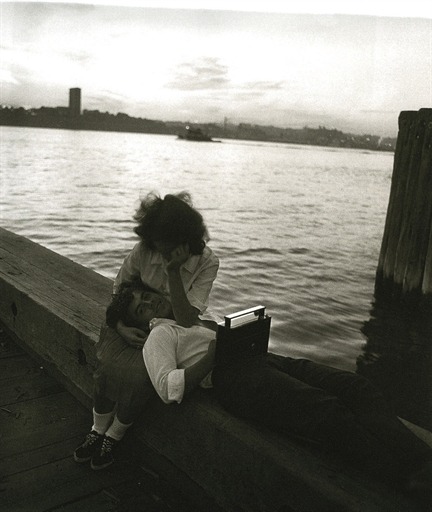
x=107, y=445
x=91, y=438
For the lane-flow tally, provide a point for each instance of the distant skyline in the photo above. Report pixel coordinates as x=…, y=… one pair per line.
x=350, y=72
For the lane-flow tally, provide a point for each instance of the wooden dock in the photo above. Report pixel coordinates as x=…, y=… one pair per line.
x=194, y=457
x=40, y=426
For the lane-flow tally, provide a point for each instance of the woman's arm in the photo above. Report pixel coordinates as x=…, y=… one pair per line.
x=201, y=286
x=184, y=313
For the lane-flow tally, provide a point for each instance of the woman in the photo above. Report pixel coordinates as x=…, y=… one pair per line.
x=172, y=258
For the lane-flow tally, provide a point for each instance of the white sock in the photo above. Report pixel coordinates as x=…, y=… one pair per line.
x=101, y=422
x=117, y=429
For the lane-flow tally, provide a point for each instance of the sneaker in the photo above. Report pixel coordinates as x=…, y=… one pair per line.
x=103, y=457
x=85, y=451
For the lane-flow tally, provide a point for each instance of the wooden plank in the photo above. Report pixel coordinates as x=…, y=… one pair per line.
x=38, y=422
x=141, y=489
x=18, y=366
x=7, y=348
x=91, y=284
x=56, y=482
x=100, y=502
x=70, y=305
x=17, y=389
x=54, y=305
x=61, y=446
x=282, y=471
x=58, y=343
x=59, y=482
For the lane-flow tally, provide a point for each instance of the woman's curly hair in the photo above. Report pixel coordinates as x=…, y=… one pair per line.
x=172, y=220
x=120, y=302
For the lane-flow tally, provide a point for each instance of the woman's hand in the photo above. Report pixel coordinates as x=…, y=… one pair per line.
x=178, y=256
x=132, y=335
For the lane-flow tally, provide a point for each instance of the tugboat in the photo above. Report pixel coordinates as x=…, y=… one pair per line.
x=195, y=134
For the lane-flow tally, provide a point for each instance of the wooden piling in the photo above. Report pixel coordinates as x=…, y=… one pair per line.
x=405, y=261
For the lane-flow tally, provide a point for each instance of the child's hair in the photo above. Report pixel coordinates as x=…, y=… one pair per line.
x=172, y=220
x=120, y=302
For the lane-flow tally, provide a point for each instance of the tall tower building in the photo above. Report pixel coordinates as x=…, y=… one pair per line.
x=75, y=102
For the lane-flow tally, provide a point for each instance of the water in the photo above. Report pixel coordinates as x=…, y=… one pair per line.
x=297, y=228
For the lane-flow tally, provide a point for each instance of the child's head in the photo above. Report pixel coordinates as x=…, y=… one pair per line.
x=171, y=221
x=135, y=304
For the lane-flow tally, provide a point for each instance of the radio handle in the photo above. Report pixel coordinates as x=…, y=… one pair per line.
x=245, y=316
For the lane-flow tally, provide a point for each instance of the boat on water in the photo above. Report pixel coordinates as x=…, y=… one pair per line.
x=195, y=134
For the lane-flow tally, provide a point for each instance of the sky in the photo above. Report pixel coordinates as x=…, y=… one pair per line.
x=353, y=70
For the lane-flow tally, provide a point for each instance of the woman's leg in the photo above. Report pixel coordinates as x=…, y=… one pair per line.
x=102, y=404
x=103, y=412
x=126, y=414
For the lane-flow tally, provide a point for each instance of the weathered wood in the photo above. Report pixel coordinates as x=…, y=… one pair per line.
x=239, y=465
x=17, y=366
x=41, y=417
x=404, y=261
x=427, y=278
x=398, y=184
x=34, y=386
x=62, y=481
x=36, y=284
x=28, y=466
x=411, y=250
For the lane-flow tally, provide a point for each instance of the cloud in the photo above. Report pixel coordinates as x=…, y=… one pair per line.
x=379, y=112
x=203, y=73
x=264, y=85
x=248, y=91
x=106, y=100
x=7, y=77
x=80, y=57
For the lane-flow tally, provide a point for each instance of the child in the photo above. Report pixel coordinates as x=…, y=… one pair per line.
x=336, y=410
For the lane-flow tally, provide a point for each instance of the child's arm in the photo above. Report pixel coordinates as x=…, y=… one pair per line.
x=197, y=372
x=160, y=357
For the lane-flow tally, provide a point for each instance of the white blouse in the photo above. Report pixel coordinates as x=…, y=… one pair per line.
x=197, y=273
x=170, y=349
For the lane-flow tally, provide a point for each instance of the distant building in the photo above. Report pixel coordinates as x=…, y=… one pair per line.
x=75, y=102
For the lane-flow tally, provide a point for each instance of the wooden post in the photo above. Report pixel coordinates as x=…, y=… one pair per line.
x=405, y=261
x=397, y=356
